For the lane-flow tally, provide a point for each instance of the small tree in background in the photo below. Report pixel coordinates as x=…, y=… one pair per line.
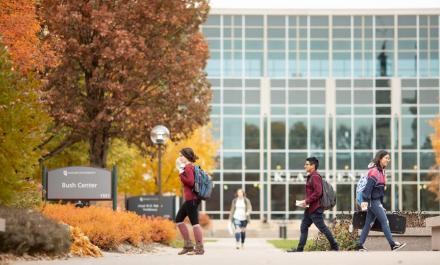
x=138, y=174
x=23, y=123
x=434, y=186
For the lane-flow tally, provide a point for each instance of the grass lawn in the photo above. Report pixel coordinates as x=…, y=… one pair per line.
x=285, y=244
x=178, y=243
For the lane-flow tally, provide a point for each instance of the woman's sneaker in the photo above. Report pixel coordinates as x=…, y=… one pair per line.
x=397, y=246
x=361, y=248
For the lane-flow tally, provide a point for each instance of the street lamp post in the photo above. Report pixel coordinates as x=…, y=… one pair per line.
x=159, y=136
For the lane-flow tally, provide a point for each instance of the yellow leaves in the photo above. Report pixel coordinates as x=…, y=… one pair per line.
x=138, y=173
x=81, y=245
x=434, y=186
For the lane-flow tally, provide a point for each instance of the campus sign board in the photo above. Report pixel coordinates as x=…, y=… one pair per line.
x=164, y=206
x=79, y=183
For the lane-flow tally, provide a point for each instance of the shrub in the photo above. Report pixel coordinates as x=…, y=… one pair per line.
x=30, y=232
x=108, y=229
x=340, y=229
x=414, y=219
x=81, y=245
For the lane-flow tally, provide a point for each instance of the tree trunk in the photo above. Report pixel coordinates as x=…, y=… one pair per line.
x=99, y=144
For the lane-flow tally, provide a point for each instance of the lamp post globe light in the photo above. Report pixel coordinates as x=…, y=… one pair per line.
x=159, y=136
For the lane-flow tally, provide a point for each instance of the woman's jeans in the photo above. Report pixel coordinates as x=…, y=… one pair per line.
x=376, y=210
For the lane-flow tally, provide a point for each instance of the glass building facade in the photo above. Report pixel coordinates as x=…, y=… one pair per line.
x=335, y=85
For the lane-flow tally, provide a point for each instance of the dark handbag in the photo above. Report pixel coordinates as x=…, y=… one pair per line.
x=396, y=221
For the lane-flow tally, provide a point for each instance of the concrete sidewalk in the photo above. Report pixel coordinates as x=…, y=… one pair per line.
x=256, y=251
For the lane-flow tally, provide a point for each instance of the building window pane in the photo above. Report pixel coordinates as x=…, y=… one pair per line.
x=232, y=160
x=343, y=197
x=409, y=133
x=361, y=160
x=409, y=161
x=343, y=161
x=296, y=193
x=343, y=133
x=278, y=197
x=253, y=194
x=297, y=160
x=278, y=161
x=252, y=133
x=427, y=160
x=298, y=133
x=231, y=128
x=383, y=133
x=317, y=134
x=363, y=133
x=428, y=200
x=278, y=134
x=252, y=160
x=409, y=197
x=426, y=130
x=213, y=204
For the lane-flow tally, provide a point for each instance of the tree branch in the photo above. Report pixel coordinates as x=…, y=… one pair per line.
x=66, y=143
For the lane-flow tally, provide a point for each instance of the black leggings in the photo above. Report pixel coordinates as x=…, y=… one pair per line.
x=190, y=209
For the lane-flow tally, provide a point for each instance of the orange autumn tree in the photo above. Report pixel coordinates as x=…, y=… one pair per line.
x=138, y=174
x=434, y=186
x=19, y=29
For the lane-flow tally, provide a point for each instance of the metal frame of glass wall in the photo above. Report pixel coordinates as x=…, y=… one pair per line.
x=337, y=86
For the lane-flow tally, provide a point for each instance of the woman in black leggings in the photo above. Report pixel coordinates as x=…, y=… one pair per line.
x=184, y=164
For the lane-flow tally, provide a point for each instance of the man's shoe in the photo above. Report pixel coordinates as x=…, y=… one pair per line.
x=294, y=250
x=360, y=248
x=397, y=246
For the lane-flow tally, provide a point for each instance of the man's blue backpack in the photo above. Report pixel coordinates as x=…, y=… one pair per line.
x=203, y=184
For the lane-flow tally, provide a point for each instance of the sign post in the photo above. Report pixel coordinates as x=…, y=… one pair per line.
x=115, y=187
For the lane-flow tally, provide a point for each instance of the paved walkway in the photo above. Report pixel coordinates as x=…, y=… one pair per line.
x=257, y=251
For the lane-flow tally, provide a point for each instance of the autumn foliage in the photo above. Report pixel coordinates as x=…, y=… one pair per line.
x=126, y=66
x=108, y=229
x=21, y=32
x=434, y=186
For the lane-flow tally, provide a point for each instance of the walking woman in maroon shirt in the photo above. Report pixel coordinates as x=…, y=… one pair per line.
x=184, y=164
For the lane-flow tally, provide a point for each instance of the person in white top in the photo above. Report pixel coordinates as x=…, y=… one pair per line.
x=241, y=209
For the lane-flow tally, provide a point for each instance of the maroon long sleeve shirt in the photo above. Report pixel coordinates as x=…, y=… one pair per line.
x=187, y=179
x=313, y=191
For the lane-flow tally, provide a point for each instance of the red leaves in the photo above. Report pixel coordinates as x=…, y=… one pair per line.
x=124, y=63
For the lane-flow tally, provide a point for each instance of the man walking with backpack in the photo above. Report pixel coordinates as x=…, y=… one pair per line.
x=313, y=213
